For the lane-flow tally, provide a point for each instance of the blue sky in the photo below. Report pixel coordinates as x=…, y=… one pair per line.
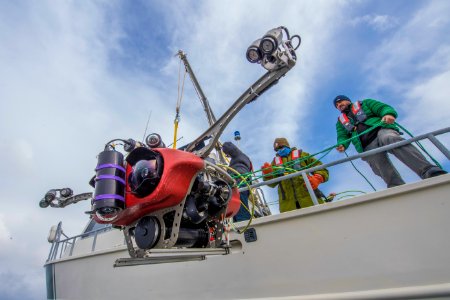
x=76, y=74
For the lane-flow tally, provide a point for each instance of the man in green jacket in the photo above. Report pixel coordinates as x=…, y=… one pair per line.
x=357, y=117
x=292, y=193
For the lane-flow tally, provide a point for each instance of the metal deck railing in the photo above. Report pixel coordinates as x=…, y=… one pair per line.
x=60, y=246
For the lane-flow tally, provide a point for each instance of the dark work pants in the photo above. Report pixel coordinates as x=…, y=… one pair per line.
x=408, y=154
x=243, y=214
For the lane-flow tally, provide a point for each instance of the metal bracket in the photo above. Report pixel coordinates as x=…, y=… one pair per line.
x=159, y=256
x=162, y=243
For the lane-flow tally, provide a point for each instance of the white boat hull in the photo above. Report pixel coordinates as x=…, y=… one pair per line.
x=392, y=243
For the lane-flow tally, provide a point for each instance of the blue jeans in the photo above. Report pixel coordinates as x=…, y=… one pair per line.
x=243, y=214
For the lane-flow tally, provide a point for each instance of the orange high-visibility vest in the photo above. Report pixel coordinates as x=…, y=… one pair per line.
x=295, y=154
x=359, y=113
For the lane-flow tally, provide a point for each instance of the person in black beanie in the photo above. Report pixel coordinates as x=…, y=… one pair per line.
x=242, y=164
x=357, y=117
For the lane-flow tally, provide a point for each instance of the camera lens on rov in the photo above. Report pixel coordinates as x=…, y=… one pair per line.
x=43, y=203
x=107, y=214
x=253, y=53
x=268, y=45
x=50, y=196
x=66, y=192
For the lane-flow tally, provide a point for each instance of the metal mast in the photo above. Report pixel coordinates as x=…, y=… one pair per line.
x=207, y=108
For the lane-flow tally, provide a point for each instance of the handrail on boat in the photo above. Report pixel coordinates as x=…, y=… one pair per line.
x=60, y=246
x=430, y=136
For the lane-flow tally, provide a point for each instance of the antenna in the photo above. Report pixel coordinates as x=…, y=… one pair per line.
x=168, y=146
x=146, y=126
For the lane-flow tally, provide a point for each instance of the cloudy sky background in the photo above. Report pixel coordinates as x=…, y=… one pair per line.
x=76, y=74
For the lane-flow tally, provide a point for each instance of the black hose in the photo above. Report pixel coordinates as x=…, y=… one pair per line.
x=287, y=32
x=299, y=41
x=108, y=143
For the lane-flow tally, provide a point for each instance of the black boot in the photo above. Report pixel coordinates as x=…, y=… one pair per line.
x=433, y=172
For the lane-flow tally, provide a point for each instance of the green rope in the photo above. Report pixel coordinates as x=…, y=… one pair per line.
x=420, y=145
x=326, y=151
x=281, y=170
x=346, y=196
x=361, y=173
x=251, y=198
x=350, y=191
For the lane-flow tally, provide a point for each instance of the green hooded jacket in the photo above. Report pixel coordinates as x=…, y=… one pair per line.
x=375, y=110
x=292, y=193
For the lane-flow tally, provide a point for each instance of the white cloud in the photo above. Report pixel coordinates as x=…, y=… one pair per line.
x=412, y=65
x=427, y=110
x=427, y=106
x=5, y=235
x=217, y=55
x=377, y=22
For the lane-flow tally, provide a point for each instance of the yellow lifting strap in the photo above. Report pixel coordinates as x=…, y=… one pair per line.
x=175, y=130
x=223, y=153
x=177, y=109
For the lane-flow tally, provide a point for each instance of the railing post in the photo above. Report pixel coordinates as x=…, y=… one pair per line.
x=56, y=241
x=439, y=145
x=73, y=246
x=310, y=189
x=94, y=241
x=61, y=249
x=56, y=250
x=50, y=255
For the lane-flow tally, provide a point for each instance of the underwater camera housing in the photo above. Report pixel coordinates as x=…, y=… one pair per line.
x=109, y=181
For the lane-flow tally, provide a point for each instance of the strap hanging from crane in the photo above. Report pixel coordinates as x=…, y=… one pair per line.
x=177, y=109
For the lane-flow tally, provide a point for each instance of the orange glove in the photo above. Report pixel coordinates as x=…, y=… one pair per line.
x=266, y=169
x=315, y=180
